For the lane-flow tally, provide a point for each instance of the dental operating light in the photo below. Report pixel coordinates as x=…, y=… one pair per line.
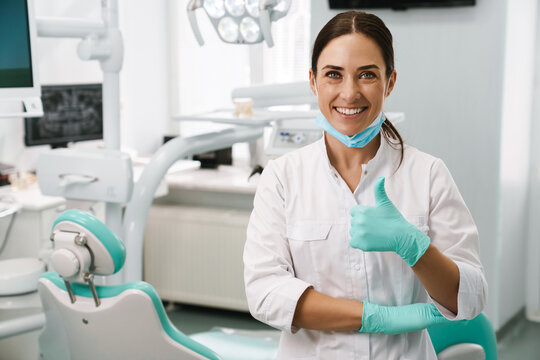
x=239, y=21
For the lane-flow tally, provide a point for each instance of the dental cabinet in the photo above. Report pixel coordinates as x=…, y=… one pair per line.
x=194, y=239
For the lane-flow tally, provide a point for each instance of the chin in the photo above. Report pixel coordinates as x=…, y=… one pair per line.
x=348, y=131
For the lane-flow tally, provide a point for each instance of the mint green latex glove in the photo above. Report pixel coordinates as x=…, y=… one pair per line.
x=383, y=228
x=399, y=319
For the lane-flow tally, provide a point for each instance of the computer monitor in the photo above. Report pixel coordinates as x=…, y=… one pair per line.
x=71, y=113
x=18, y=65
x=396, y=4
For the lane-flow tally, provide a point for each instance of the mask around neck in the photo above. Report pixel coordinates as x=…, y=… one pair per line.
x=353, y=141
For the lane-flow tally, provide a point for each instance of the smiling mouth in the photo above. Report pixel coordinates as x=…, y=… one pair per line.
x=350, y=111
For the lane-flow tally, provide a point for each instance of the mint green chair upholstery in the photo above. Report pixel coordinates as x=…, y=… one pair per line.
x=469, y=335
x=127, y=321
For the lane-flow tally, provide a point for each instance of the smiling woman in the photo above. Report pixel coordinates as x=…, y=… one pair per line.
x=352, y=83
x=355, y=246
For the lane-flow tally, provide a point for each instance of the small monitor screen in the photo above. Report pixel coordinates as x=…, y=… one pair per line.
x=15, y=59
x=71, y=113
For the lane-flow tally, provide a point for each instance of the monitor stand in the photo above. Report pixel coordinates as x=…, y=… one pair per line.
x=59, y=145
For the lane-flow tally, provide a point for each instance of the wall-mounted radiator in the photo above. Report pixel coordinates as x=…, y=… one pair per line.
x=194, y=255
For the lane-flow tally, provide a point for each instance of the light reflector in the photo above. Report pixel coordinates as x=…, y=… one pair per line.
x=235, y=7
x=214, y=8
x=228, y=29
x=252, y=7
x=250, y=30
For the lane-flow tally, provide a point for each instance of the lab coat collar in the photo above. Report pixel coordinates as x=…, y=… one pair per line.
x=385, y=151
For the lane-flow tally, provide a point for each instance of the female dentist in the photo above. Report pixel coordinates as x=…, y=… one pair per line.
x=357, y=242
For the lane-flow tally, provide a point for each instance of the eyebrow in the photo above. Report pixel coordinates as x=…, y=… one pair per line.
x=365, y=67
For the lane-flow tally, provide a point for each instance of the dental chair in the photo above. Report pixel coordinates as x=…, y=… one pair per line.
x=128, y=321
x=468, y=340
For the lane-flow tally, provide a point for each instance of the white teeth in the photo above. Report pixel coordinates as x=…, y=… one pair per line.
x=347, y=111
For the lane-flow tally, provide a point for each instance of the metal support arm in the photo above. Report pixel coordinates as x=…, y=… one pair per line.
x=143, y=193
x=69, y=28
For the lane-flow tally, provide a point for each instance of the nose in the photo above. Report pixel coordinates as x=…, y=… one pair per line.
x=350, y=89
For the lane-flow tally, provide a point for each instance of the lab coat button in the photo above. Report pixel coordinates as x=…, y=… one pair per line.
x=357, y=267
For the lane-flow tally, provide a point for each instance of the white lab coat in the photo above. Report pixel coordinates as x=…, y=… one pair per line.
x=298, y=236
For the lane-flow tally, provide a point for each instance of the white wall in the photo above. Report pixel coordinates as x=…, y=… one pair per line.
x=511, y=256
x=533, y=249
x=450, y=85
x=144, y=77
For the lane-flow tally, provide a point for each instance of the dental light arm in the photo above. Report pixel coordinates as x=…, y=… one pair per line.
x=269, y=13
x=191, y=7
x=265, y=9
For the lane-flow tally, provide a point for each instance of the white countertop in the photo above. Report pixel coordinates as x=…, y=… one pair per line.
x=184, y=175
x=31, y=198
x=228, y=179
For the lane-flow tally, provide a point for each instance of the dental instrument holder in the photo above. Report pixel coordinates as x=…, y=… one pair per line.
x=86, y=174
x=78, y=255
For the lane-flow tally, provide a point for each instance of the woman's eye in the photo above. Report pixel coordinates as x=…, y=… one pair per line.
x=333, y=75
x=368, y=75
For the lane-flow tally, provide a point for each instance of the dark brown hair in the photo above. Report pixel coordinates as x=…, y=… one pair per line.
x=350, y=22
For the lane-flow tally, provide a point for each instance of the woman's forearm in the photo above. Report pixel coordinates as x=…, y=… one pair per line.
x=440, y=277
x=317, y=311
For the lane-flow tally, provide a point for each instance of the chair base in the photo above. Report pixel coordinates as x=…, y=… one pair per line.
x=465, y=351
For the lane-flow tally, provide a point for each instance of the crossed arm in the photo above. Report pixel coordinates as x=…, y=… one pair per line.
x=438, y=274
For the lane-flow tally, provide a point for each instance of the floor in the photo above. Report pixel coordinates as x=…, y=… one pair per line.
x=520, y=341
x=193, y=319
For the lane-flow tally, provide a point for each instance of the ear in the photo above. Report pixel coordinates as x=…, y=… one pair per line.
x=312, y=82
x=391, y=83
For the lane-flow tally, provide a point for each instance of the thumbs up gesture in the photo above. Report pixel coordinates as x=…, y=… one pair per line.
x=383, y=228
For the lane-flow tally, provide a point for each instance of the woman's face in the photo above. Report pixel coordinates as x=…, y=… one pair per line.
x=351, y=83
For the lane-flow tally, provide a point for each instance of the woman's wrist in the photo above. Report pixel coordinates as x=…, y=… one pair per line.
x=412, y=243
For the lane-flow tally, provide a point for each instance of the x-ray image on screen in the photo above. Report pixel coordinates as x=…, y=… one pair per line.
x=71, y=113
x=15, y=59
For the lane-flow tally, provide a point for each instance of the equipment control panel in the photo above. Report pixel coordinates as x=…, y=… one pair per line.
x=283, y=140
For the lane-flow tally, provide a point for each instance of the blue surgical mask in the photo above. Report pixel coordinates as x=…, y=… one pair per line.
x=353, y=141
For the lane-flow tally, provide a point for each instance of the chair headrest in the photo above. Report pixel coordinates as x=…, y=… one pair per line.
x=84, y=245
